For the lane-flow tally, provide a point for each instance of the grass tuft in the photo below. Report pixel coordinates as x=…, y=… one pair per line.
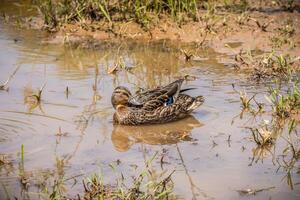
x=56, y=13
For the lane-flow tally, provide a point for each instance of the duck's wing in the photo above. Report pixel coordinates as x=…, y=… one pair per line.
x=183, y=101
x=157, y=102
x=172, y=90
x=178, y=110
x=162, y=114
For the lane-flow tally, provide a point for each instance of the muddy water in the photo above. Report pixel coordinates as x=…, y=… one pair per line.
x=71, y=134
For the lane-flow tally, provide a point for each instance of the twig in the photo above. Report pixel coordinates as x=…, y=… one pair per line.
x=2, y=87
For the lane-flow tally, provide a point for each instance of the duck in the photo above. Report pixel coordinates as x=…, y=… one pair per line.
x=155, y=106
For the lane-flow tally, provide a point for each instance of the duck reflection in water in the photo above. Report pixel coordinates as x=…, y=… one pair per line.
x=123, y=137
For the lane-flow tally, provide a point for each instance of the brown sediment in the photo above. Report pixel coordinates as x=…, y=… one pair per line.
x=252, y=30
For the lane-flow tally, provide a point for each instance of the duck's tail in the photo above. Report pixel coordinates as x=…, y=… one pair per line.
x=198, y=101
x=186, y=89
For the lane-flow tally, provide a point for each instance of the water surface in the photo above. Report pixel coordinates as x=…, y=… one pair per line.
x=76, y=127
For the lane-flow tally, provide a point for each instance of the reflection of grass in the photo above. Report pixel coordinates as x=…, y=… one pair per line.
x=33, y=99
x=265, y=134
x=4, y=86
x=285, y=108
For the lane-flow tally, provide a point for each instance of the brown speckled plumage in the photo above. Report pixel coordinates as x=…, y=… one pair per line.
x=157, y=95
x=161, y=105
x=148, y=99
x=178, y=110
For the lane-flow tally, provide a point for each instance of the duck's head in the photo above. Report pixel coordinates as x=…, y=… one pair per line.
x=120, y=96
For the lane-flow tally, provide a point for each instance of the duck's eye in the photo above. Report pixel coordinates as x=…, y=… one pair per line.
x=170, y=101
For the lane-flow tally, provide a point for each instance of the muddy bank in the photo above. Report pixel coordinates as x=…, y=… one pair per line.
x=260, y=27
x=224, y=32
x=248, y=39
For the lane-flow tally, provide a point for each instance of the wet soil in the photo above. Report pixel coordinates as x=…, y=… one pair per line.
x=253, y=30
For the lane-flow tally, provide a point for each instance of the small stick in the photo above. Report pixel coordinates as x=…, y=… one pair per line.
x=2, y=87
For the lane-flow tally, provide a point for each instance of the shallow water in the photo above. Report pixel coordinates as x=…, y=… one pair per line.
x=76, y=127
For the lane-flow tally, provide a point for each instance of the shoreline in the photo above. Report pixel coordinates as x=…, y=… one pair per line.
x=249, y=35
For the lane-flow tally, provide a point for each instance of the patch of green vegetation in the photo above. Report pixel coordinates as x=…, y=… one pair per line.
x=252, y=106
x=284, y=104
x=243, y=18
x=278, y=41
x=235, y=6
x=145, y=183
x=288, y=5
x=66, y=11
x=269, y=65
x=284, y=35
x=144, y=186
x=278, y=69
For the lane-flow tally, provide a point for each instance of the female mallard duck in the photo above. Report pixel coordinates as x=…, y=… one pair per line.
x=160, y=105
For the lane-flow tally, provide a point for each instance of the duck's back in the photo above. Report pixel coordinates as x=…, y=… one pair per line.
x=171, y=90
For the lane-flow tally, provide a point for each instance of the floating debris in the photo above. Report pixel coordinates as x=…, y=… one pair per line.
x=250, y=191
